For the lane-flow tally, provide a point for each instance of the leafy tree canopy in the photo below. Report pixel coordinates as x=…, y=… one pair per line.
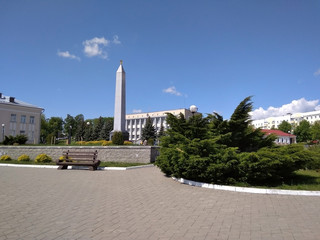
x=285, y=126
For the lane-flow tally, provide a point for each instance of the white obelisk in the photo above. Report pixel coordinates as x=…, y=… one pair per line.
x=119, y=122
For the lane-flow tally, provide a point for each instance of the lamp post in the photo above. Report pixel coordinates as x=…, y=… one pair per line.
x=69, y=139
x=193, y=109
x=3, y=132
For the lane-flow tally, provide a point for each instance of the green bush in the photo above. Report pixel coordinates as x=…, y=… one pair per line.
x=17, y=140
x=42, y=158
x=150, y=142
x=267, y=166
x=5, y=158
x=8, y=140
x=117, y=138
x=21, y=139
x=314, y=163
x=218, y=151
x=24, y=158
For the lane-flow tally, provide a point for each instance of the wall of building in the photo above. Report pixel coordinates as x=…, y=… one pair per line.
x=17, y=118
x=294, y=119
x=134, y=154
x=136, y=122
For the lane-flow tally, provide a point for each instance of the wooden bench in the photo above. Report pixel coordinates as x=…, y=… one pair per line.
x=79, y=159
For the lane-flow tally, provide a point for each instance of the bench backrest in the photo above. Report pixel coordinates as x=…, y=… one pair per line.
x=81, y=156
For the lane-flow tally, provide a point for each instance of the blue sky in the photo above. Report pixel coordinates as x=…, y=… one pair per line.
x=63, y=55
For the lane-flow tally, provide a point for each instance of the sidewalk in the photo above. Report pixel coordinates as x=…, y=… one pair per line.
x=143, y=204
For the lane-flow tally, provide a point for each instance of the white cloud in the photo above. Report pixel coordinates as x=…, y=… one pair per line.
x=94, y=47
x=296, y=106
x=136, y=111
x=116, y=39
x=66, y=54
x=172, y=90
x=317, y=73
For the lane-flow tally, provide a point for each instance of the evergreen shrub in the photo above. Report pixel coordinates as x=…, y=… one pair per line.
x=17, y=140
x=42, y=158
x=117, y=138
x=24, y=158
x=218, y=151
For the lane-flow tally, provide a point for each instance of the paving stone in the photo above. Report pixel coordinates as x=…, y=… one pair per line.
x=143, y=204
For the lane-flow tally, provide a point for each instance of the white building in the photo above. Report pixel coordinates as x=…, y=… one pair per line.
x=136, y=122
x=294, y=119
x=17, y=118
x=282, y=137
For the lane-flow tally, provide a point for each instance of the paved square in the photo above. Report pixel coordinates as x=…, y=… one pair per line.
x=143, y=204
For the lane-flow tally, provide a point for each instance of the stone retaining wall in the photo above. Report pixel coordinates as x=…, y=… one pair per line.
x=135, y=154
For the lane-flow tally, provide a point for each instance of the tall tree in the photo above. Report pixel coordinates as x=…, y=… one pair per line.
x=69, y=125
x=55, y=126
x=161, y=132
x=98, y=125
x=243, y=136
x=149, y=131
x=315, y=131
x=285, y=126
x=45, y=130
x=302, y=131
x=107, y=128
x=80, y=127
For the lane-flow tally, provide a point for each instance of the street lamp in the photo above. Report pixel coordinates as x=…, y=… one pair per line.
x=69, y=139
x=193, y=109
x=3, y=132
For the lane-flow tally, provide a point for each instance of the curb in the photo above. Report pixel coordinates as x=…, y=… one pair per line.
x=74, y=167
x=248, y=190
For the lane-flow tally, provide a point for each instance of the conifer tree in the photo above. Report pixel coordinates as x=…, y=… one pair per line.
x=97, y=128
x=149, y=131
x=80, y=127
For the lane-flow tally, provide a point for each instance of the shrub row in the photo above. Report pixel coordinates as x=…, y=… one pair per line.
x=102, y=143
x=41, y=158
x=17, y=140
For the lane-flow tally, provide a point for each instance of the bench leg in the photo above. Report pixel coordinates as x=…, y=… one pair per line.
x=63, y=167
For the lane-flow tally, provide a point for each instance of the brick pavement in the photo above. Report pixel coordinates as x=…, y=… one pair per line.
x=143, y=204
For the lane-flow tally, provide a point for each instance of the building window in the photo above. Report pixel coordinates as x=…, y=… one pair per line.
x=23, y=118
x=13, y=118
x=22, y=132
x=31, y=120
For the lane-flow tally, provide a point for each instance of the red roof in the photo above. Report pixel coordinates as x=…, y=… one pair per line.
x=276, y=132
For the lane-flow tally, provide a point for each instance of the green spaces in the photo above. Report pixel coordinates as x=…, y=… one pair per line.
x=231, y=152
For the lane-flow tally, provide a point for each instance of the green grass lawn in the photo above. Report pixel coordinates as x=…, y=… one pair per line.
x=102, y=164
x=301, y=180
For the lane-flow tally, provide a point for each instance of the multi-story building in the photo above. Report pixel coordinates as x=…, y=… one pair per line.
x=294, y=119
x=136, y=122
x=17, y=118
